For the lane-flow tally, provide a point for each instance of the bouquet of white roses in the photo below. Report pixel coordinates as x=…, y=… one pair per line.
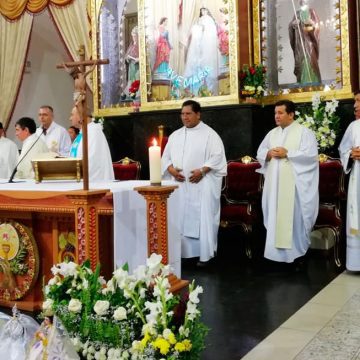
x=322, y=119
x=130, y=316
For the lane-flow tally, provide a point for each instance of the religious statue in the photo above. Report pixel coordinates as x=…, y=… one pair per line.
x=163, y=48
x=79, y=84
x=202, y=58
x=304, y=34
x=132, y=57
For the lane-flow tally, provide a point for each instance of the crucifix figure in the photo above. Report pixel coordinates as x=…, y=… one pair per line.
x=78, y=71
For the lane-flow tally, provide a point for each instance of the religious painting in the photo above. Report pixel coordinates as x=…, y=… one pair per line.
x=305, y=46
x=117, y=38
x=188, y=50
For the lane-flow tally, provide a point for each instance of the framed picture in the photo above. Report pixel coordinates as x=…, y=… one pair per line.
x=188, y=49
x=305, y=46
x=115, y=25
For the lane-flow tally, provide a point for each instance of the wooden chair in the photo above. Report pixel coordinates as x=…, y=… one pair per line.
x=241, y=198
x=331, y=193
x=127, y=169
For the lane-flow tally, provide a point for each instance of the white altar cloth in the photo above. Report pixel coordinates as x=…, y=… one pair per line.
x=130, y=231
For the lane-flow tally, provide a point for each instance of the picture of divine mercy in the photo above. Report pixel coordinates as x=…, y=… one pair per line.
x=184, y=46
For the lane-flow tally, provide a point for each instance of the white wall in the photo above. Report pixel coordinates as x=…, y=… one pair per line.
x=44, y=84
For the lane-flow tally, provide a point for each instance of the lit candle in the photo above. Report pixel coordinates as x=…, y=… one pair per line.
x=155, y=163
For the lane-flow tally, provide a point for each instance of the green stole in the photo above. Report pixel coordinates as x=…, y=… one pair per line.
x=286, y=185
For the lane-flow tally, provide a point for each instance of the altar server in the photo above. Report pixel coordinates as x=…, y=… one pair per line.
x=8, y=155
x=100, y=163
x=289, y=161
x=195, y=157
x=350, y=157
x=33, y=147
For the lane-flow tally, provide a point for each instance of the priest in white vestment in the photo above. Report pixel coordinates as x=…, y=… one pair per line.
x=349, y=150
x=55, y=136
x=289, y=161
x=100, y=162
x=33, y=147
x=8, y=155
x=195, y=157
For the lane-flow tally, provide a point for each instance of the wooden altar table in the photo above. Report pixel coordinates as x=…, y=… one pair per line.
x=60, y=213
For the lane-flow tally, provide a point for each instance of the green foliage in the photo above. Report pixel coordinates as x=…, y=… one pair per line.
x=253, y=80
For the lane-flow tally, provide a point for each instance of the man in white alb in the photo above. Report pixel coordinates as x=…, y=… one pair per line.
x=32, y=147
x=55, y=136
x=8, y=155
x=100, y=163
x=289, y=161
x=194, y=156
x=350, y=157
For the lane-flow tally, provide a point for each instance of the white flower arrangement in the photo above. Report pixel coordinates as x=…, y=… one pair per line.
x=322, y=119
x=130, y=317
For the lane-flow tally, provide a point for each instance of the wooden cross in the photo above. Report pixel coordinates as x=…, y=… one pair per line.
x=78, y=71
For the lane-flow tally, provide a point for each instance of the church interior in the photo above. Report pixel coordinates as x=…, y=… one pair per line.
x=126, y=67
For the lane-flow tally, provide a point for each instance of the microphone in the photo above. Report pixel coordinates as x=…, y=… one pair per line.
x=19, y=162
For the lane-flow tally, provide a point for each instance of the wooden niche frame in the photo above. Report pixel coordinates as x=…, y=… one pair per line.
x=272, y=26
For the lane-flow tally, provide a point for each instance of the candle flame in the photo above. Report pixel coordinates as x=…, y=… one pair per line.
x=154, y=142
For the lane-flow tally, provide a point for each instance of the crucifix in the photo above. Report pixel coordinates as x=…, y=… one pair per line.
x=79, y=73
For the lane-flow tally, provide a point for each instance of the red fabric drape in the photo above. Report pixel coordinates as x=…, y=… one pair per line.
x=13, y=9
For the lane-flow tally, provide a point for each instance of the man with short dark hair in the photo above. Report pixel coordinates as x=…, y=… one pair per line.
x=194, y=156
x=8, y=155
x=25, y=129
x=55, y=136
x=289, y=161
x=350, y=157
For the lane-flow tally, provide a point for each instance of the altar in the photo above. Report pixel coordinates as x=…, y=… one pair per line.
x=59, y=213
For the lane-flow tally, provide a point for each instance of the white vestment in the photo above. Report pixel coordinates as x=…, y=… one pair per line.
x=57, y=139
x=8, y=157
x=189, y=149
x=100, y=163
x=305, y=166
x=352, y=139
x=24, y=169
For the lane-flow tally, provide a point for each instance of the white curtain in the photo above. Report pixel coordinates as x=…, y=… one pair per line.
x=74, y=26
x=14, y=38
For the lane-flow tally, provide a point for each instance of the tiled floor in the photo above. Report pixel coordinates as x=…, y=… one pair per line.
x=325, y=328
x=246, y=300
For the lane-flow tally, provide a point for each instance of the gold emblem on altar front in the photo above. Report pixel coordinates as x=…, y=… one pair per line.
x=19, y=260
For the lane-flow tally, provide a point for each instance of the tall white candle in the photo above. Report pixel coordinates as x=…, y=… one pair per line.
x=155, y=163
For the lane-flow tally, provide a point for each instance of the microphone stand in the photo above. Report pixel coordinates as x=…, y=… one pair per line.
x=11, y=179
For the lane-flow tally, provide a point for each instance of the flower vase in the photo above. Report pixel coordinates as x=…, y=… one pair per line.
x=251, y=100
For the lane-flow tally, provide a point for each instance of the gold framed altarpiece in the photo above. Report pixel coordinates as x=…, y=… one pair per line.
x=178, y=50
x=305, y=46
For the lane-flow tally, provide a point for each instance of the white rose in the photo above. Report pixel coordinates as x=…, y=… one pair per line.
x=47, y=305
x=120, y=313
x=101, y=307
x=75, y=305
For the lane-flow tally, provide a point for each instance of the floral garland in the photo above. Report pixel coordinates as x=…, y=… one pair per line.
x=129, y=317
x=322, y=119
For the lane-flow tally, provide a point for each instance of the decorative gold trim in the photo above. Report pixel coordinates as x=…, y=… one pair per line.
x=343, y=57
x=323, y=158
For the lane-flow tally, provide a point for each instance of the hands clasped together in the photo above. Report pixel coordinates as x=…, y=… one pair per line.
x=196, y=174
x=355, y=153
x=277, y=153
